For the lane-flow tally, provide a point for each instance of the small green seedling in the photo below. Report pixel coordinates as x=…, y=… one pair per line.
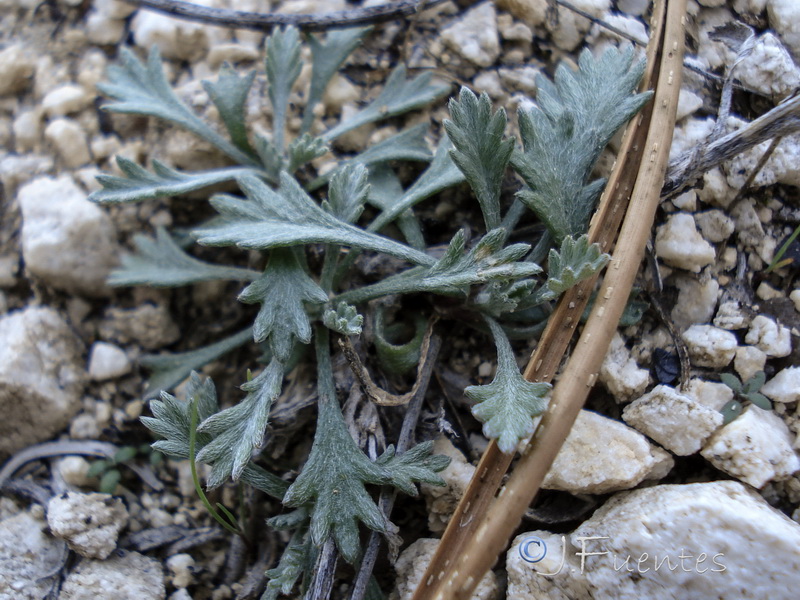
x=108, y=473
x=743, y=393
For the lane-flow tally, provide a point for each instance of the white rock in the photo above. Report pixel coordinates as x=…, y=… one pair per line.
x=571, y=27
x=413, y=561
x=89, y=523
x=633, y=7
x=794, y=296
x=629, y=25
x=532, y=12
x=749, y=360
x=442, y=501
x=781, y=167
x=181, y=568
x=17, y=170
x=697, y=299
x=620, y=373
x=67, y=241
x=735, y=547
x=104, y=30
x=679, y=244
x=753, y=7
x=150, y=326
x=74, y=470
x=713, y=53
x=69, y=140
x=522, y=79
x=674, y=420
x=756, y=447
x=232, y=53
x=27, y=556
x=784, y=18
x=784, y=387
x=475, y=35
x=176, y=39
x=513, y=31
x=27, y=129
x=114, y=9
x=602, y=455
x=709, y=393
x=710, y=346
x=687, y=201
x=41, y=377
x=774, y=339
x=127, y=575
x=732, y=315
x=766, y=292
x=107, y=361
x=715, y=190
x=715, y=225
x=489, y=82
x=688, y=104
x=711, y=3
x=769, y=68
x=65, y=100
x=689, y=134
x=16, y=69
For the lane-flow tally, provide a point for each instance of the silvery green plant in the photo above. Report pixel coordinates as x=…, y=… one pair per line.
x=283, y=211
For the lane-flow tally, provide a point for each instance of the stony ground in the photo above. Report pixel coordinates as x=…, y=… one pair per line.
x=718, y=502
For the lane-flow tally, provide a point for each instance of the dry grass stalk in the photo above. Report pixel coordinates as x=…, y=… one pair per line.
x=476, y=553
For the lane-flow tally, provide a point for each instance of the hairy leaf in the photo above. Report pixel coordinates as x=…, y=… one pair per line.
x=456, y=271
x=333, y=480
x=409, y=144
x=143, y=90
x=576, y=261
x=161, y=262
x=481, y=152
x=506, y=406
x=141, y=184
x=327, y=57
x=416, y=464
x=171, y=420
x=281, y=291
x=384, y=190
x=229, y=94
x=304, y=149
x=347, y=193
x=399, y=95
x=441, y=174
x=502, y=297
x=168, y=370
x=236, y=431
x=283, y=68
x=345, y=319
x=289, y=217
x=271, y=157
x=564, y=135
x=293, y=563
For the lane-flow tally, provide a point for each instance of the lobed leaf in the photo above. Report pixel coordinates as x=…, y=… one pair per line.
x=344, y=319
x=140, y=184
x=399, y=95
x=289, y=217
x=171, y=420
x=168, y=370
x=507, y=406
x=235, y=432
x=347, y=192
x=229, y=95
x=282, y=290
x=416, y=464
x=576, y=261
x=480, y=149
x=563, y=136
x=161, y=262
x=333, y=481
x=144, y=90
x=456, y=271
x=327, y=57
x=283, y=68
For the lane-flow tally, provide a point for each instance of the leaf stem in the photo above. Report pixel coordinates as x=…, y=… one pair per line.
x=230, y=526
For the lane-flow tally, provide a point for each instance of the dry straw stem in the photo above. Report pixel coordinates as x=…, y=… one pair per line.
x=473, y=559
x=553, y=343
